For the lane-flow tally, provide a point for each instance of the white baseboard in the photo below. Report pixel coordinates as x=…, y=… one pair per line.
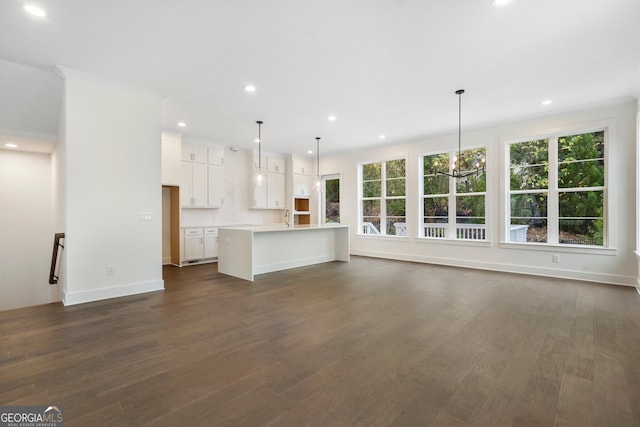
x=507, y=268
x=72, y=298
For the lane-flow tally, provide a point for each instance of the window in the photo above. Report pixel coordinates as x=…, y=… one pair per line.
x=453, y=208
x=383, y=201
x=557, y=190
x=331, y=198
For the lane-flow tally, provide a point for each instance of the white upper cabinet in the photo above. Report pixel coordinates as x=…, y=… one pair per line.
x=193, y=187
x=271, y=193
x=302, y=184
x=202, y=177
x=276, y=165
x=215, y=187
x=259, y=195
x=302, y=165
x=276, y=190
x=194, y=152
x=216, y=155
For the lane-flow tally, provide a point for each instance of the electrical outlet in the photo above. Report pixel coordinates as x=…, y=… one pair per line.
x=555, y=258
x=146, y=216
x=111, y=270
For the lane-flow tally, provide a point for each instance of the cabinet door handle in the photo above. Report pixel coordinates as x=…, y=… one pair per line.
x=192, y=156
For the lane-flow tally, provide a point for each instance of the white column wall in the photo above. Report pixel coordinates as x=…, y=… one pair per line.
x=612, y=266
x=110, y=139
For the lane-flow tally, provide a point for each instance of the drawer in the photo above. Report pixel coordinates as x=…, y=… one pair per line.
x=211, y=230
x=193, y=231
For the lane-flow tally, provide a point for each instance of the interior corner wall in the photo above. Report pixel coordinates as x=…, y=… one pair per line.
x=637, y=158
x=617, y=266
x=25, y=224
x=58, y=185
x=112, y=175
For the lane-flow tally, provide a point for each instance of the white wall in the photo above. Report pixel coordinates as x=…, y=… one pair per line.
x=611, y=266
x=166, y=225
x=237, y=197
x=637, y=251
x=26, y=233
x=110, y=137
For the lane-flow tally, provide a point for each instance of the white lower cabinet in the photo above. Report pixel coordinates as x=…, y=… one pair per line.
x=210, y=242
x=193, y=244
x=199, y=244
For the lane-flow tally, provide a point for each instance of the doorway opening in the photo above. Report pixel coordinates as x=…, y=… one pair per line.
x=171, y=225
x=331, y=198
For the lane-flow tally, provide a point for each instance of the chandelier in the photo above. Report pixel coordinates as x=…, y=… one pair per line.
x=458, y=171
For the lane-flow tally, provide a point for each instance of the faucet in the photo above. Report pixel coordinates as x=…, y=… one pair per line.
x=287, y=217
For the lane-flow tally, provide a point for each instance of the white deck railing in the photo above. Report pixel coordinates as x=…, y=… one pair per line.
x=369, y=228
x=518, y=233
x=463, y=231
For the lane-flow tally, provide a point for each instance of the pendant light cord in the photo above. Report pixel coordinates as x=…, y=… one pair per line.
x=259, y=122
x=459, y=93
x=318, y=157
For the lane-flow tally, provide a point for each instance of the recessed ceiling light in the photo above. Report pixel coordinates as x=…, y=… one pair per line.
x=310, y=152
x=182, y=124
x=332, y=118
x=11, y=145
x=382, y=136
x=250, y=88
x=546, y=102
x=256, y=140
x=35, y=10
x=499, y=2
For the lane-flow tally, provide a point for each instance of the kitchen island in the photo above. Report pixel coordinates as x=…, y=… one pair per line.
x=246, y=251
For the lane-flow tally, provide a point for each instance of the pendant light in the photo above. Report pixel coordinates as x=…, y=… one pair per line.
x=259, y=172
x=317, y=163
x=458, y=172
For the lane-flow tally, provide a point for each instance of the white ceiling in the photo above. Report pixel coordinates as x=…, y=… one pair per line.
x=381, y=66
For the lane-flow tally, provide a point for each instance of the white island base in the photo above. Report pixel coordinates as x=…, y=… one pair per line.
x=246, y=251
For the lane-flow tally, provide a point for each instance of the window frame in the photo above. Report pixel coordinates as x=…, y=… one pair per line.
x=553, y=191
x=452, y=196
x=383, y=196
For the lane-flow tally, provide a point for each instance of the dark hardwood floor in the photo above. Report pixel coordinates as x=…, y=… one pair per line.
x=371, y=342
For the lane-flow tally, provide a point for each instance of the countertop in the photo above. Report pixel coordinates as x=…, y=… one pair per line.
x=283, y=227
